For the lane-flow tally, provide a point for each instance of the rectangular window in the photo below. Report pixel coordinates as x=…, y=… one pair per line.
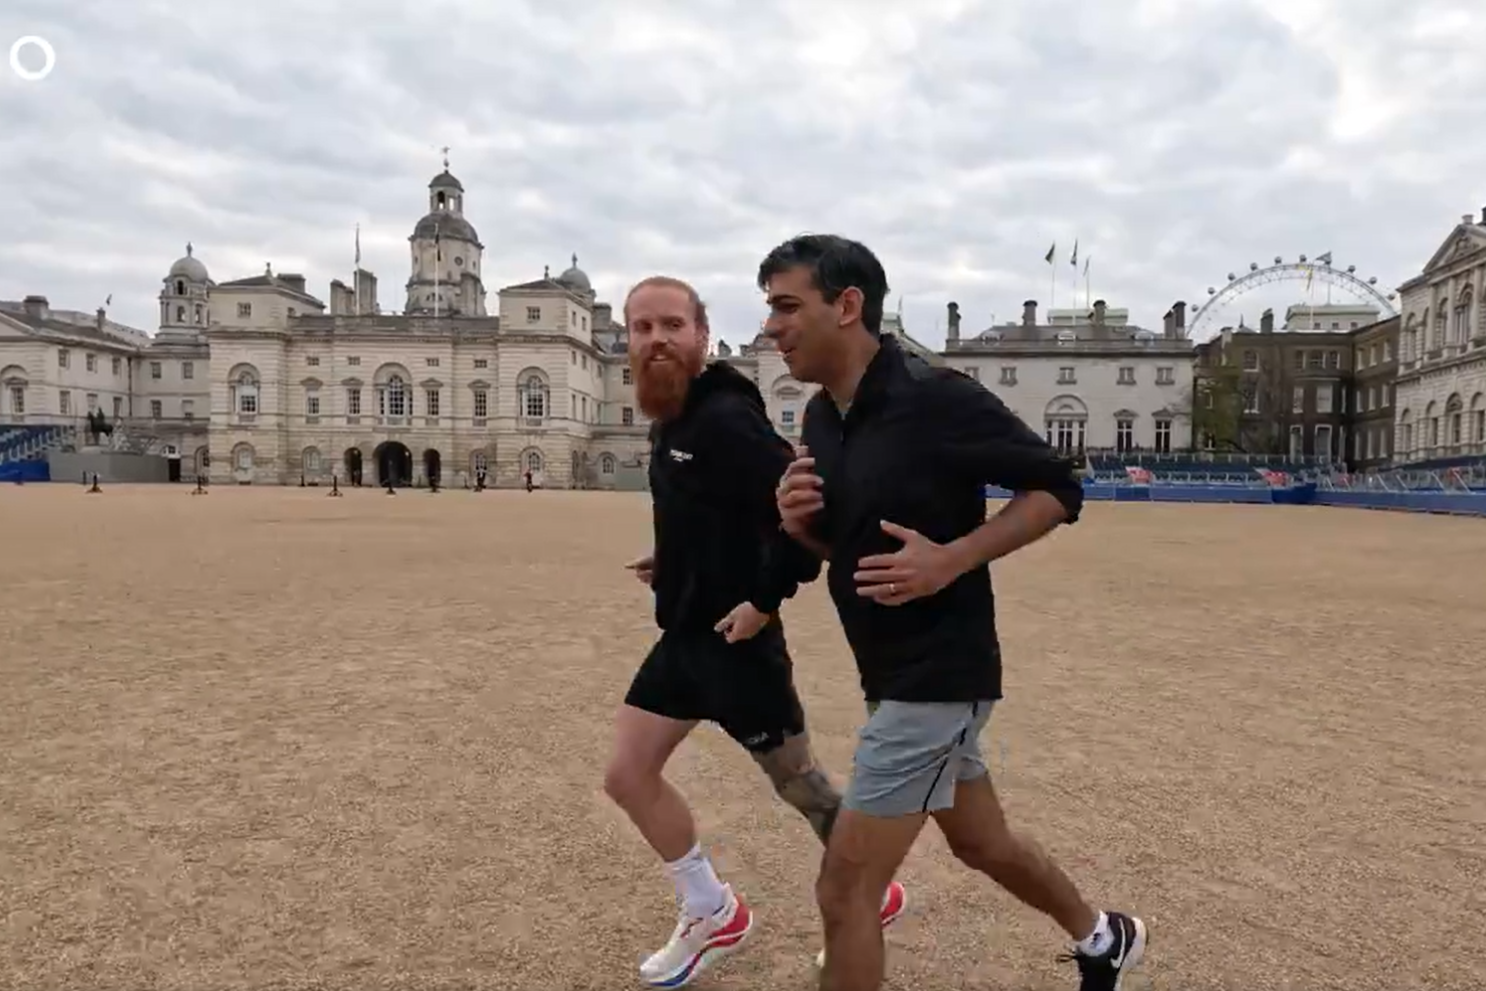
x=626, y=376
x=1251, y=361
x=533, y=314
x=90, y=362
x=64, y=358
x=482, y=362
x=1163, y=436
x=156, y=409
x=1297, y=400
x=188, y=370
x=1066, y=376
x=1124, y=435
x=18, y=400
x=1008, y=375
x=244, y=310
x=312, y=404
x=155, y=370
x=353, y=402
x=188, y=409
x=482, y=402
x=431, y=403
x=64, y=403
x=1127, y=375
x=117, y=365
x=1166, y=375
x=118, y=407
x=312, y=360
x=627, y=415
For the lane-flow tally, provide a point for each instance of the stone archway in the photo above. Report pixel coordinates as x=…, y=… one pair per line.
x=394, y=464
x=433, y=464
x=352, y=459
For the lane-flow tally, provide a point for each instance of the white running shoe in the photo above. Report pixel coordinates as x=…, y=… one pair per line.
x=699, y=943
x=894, y=901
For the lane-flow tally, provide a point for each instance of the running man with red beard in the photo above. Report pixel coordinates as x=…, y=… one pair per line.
x=720, y=569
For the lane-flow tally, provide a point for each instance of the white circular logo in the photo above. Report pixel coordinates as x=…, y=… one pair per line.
x=48, y=58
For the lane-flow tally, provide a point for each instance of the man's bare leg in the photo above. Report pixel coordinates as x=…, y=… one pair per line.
x=635, y=780
x=714, y=921
x=977, y=833
x=863, y=855
x=799, y=779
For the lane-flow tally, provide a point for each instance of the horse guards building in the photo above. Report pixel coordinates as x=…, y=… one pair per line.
x=257, y=380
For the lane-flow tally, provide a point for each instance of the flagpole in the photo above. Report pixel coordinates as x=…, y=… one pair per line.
x=356, y=276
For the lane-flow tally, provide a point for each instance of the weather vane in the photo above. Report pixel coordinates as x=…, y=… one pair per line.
x=445, y=150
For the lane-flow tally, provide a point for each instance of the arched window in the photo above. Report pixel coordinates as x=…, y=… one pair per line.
x=180, y=314
x=180, y=287
x=394, y=396
x=534, y=461
x=198, y=313
x=606, y=464
x=244, y=389
x=534, y=396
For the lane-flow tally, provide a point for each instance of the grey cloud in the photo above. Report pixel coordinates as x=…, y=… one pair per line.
x=653, y=136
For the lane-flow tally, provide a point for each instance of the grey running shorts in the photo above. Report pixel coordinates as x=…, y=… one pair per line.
x=910, y=755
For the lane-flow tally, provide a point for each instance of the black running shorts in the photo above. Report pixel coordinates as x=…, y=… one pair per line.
x=746, y=688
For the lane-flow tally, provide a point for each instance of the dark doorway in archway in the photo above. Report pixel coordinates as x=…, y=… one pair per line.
x=432, y=466
x=394, y=464
x=353, y=465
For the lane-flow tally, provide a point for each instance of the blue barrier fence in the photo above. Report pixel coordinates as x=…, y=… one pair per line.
x=25, y=471
x=1453, y=503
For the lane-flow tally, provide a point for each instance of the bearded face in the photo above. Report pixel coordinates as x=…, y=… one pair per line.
x=667, y=349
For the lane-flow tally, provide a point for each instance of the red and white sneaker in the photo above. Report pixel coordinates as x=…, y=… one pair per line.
x=698, y=943
x=894, y=901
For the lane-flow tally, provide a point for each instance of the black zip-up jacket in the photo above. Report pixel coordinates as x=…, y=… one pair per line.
x=713, y=475
x=917, y=447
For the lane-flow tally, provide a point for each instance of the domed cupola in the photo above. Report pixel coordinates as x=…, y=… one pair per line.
x=184, y=294
x=446, y=250
x=576, y=279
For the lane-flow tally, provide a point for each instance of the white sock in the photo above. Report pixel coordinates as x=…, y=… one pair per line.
x=697, y=884
x=1098, y=941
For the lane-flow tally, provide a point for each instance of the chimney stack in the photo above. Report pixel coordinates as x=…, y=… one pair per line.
x=954, y=321
x=102, y=317
x=1483, y=216
x=1266, y=321
x=1180, y=309
x=1168, y=322
x=1099, y=308
x=37, y=307
x=1029, y=313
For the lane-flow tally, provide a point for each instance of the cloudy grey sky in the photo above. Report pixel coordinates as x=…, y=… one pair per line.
x=1177, y=140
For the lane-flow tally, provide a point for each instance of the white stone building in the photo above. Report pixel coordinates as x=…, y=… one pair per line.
x=1090, y=380
x=256, y=380
x=1440, y=394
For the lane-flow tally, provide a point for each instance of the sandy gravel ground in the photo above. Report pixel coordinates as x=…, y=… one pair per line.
x=268, y=739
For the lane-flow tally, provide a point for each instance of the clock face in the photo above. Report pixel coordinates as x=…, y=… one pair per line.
x=458, y=260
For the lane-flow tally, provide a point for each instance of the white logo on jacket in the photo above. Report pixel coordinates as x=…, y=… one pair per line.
x=680, y=455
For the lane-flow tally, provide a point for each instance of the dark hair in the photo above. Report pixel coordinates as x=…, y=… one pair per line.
x=836, y=264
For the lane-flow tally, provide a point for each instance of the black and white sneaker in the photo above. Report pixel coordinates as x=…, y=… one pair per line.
x=1106, y=971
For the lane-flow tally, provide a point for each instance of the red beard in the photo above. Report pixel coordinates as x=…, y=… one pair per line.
x=661, y=387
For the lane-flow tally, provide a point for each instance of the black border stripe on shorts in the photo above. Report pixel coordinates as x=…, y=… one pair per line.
x=974, y=711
